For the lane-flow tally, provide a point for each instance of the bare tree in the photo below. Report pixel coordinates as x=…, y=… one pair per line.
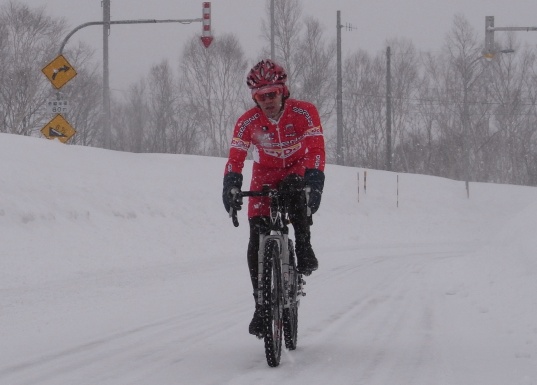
x=287, y=34
x=509, y=145
x=132, y=119
x=363, y=111
x=28, y=39
x=315, y=76
x=405, y=79
x=4, y=57
x=429, y=111
x=465, y=74
x=162, y=104
x=170, y=119
x=213, y=88
x=530, y=159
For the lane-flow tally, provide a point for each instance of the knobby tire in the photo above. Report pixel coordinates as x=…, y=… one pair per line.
x=273, y=302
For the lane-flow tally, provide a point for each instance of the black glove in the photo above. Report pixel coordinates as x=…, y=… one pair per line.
x=232, y=180
x=315, y=180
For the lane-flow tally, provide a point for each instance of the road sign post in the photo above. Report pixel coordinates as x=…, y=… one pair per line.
x=59, y=72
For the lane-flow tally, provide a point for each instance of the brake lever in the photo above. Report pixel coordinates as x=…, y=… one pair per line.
x=232, y=211
x=233, y=215
x=308, y=209
x=308, y=190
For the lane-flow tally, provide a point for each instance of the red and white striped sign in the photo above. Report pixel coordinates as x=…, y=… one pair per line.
x=206, y=36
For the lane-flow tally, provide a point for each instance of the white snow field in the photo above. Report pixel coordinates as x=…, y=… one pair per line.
x=120, y=268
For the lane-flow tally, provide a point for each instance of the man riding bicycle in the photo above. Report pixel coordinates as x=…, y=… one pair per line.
x=288, y=153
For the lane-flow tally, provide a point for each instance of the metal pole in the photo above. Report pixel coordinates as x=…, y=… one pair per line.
x=272, y=27
x=339, y=96
x=466, y=128
x=489, y=37
x=388, y=111
x=468, y=83
x=107, y=124
x=142, y=21
x=466, y=123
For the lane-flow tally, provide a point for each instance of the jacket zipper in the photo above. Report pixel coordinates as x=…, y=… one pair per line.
x=280, y=143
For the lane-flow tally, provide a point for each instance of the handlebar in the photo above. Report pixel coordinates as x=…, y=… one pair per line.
x=265, y=192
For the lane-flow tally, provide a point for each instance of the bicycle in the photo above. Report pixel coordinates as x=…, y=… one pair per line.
x=280, y=285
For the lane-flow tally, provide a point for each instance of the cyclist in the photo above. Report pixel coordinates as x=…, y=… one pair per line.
x=289, y=154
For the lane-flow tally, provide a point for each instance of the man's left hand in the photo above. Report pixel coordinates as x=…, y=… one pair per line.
x=314, y=178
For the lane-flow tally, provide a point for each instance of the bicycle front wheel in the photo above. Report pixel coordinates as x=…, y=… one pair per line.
x=273, y=302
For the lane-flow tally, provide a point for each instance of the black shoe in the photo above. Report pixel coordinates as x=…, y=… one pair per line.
x=307, y=262
x=307, y=266
x=256, y=325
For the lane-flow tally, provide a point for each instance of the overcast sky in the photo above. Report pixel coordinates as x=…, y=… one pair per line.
x=135, y=48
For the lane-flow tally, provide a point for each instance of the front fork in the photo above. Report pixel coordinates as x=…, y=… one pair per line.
x=283, y=243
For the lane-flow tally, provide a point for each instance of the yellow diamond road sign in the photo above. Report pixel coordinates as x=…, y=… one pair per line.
x=59, y=72
x=58, y=128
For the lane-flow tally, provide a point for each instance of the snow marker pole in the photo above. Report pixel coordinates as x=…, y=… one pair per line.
x=358, y=176
x=398, y=190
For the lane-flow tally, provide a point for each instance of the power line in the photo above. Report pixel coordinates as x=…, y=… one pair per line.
x=439, y=102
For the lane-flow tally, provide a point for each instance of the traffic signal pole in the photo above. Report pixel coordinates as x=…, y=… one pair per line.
x=206, y=39
x=146, y=21
x=490, y=49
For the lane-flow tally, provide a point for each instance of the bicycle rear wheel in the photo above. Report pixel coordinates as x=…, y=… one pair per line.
x=273, y=301
x=290, y=315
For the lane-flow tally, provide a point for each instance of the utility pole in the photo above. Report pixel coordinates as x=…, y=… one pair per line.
x=272, y=44
x=340, y=159
x=339, y=97
x=467, y=83
x=107, y=116
x=388, y=111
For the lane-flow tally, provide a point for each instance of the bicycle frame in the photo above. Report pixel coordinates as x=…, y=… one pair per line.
x=279, y=231
x=279, y=285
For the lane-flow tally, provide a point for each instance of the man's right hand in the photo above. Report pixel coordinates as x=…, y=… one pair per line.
x=232, y=186
x=235, y=200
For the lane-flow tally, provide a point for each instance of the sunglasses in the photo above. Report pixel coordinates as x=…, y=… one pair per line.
x=269, y=95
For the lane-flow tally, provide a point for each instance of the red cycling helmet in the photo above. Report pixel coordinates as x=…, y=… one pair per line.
x=267, y=73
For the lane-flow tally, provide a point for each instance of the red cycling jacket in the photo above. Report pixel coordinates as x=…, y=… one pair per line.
x=290, y=145
x=295, y=142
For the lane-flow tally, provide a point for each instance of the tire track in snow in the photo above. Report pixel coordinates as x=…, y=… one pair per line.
x=400, y=348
